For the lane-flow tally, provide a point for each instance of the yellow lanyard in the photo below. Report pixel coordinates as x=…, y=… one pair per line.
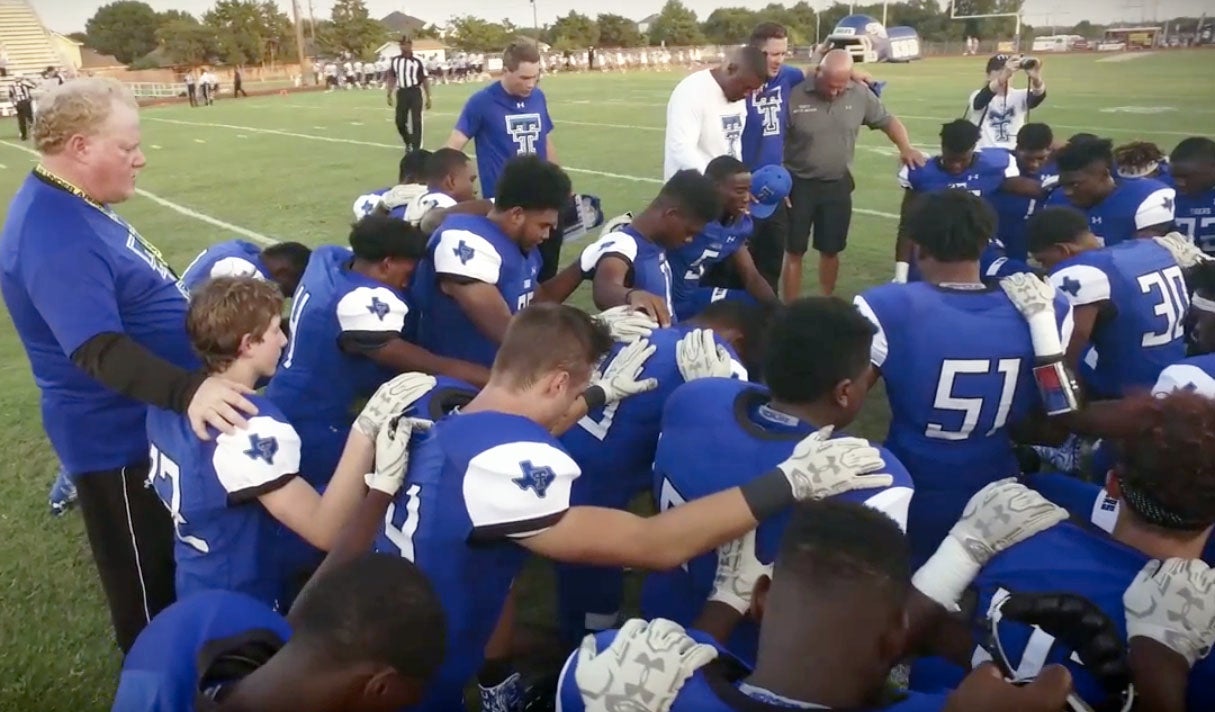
x=64, y=185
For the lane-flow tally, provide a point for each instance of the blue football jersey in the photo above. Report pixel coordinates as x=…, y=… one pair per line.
x=1145, y=291
x=716, y=243
x=958, y=365
x=225, y=538
x=995, y=263
x=650, y=269
x=721, y=433
x=720, y=686
x=1134, y=205
x=475, y=482
x=504, y=126
x=317, y=383
x=234, y=258
x=1012, y=212
x=1194, y=215
x=166, y=668
x=1196, y=373
x=763, y=137
x=614, y=444
x=469, y=247
x=1084, y=562
x=987, y=171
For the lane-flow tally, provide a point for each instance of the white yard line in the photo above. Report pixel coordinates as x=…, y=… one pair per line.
x=183, y=210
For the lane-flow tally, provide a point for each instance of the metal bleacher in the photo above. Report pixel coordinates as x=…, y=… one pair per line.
x=26, y=44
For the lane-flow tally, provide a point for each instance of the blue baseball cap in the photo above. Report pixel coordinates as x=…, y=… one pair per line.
x=770, y=186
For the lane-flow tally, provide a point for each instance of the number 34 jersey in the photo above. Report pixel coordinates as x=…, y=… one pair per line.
x=958, y=365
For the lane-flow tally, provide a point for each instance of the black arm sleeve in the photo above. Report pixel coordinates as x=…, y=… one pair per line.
x=1034, y=100
x=122, y=365
x=983, y=98
x=364, y=342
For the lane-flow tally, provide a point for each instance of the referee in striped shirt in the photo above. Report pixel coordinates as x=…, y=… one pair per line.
x=407, y=77
x=21, y=98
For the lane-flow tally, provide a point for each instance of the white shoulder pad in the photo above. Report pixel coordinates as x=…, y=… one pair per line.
x=1184, y=376
x=880, y=347
x=1082, y=284
x=904, y=177
x=517, y=483
x=467, y=254
x=894, y=503
x=371, y=309
x=235, y=267
x=364, y=204
x=251, y=461
x=613, y=243
x=1155, y=209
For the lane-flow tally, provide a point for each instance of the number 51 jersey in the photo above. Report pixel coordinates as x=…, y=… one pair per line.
x=958, y=365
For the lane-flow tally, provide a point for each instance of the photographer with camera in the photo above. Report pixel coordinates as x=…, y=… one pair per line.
x=1000, y=110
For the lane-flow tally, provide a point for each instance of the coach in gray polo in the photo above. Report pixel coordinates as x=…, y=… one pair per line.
x=826, y=113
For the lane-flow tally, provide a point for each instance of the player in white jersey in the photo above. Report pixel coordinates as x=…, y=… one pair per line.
x=1000, y=110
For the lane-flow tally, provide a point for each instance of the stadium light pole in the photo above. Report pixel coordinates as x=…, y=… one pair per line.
x=535, y=22
x=299, y=41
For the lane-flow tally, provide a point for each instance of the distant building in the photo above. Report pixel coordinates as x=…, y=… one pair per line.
x=424, y=49
x=644, y=26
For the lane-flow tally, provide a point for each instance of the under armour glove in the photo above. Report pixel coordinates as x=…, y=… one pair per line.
x=392, y=454
x=822, y=466
x=644, y=668
x=626, y=324
x=698, y=355
x=1001, y=514
x=1035, y=300
x=623, y=375
x=400, y=195
x=737, y=571
x=1171, y=602
x=1183, y=249
x=390, y=400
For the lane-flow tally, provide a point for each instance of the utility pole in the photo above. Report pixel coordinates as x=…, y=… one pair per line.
x=305, y=70
x=311, y=22
x=885, y=10
x=535, y=22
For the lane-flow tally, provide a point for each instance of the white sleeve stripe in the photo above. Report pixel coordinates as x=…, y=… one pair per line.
x=466, y=254
x=618, y=243
x=1156, y=209
x=371, y=309
x=1067, y=326
x=877, y=352
x=518, y=483
x=893, y=502
x=1082, y=284
x=263, y=452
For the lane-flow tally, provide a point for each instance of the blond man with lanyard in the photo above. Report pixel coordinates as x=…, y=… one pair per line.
x=102, y=319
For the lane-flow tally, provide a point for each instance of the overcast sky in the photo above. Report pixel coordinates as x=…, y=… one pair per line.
x=70, y=15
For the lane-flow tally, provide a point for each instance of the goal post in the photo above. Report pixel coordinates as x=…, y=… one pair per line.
x=966, y=12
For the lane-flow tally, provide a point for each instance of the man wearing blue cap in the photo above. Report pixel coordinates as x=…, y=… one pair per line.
x=720, y=240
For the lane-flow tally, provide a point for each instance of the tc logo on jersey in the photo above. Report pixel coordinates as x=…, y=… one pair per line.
x=1000, y=121
x=380, y=309
x=769, y=111
x=524, y=130
x=464, y=252
x=262, y=448
x=536, y=479
x=1071, y=286
x=731, y=128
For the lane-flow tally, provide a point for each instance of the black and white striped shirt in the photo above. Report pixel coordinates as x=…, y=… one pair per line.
x=409, y=71
x=19, y=91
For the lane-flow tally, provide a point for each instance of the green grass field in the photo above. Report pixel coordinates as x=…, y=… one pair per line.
x=289, y=167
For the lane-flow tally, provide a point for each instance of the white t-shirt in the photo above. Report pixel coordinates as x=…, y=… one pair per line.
x=1002, y=119
x=701, y=124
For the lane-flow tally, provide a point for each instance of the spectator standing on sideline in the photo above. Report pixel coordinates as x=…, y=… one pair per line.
x=102, y=319
x=510, y=118
x=407, y=78
x=999, y=110
x=708, y=110
x=191, y=80
x=237, y=91
x=763, y=141
x=826, y=113
x=20, y=94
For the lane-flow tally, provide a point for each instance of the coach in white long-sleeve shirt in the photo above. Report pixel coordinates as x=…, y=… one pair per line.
x=707, y=112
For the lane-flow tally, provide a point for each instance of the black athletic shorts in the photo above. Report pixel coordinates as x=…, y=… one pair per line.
x=821, y=207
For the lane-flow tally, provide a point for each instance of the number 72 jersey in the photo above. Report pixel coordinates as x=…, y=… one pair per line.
x=958, y=365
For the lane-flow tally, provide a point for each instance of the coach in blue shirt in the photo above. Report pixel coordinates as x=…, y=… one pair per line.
x=102, y=319
x=763, y=141
x=510, y=118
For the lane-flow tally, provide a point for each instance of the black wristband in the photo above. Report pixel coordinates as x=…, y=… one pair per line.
x=595, y=397
x=768, y=494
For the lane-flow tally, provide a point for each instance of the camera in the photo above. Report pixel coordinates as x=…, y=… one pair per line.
x=1028, y=63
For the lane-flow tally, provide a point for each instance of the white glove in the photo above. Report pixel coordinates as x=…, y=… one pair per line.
x=901, y=272
x=615, y=224
x=1035, y=300
x=644, y=668
x=392, y=454
x=737, y=571
x=698, y=355
x=1173, y=603
x=392, y=399
x=822, y=466
x=1001, y=514
x=1185, y=253
x=620, y=380
x=626, y=323
x=402, y=195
